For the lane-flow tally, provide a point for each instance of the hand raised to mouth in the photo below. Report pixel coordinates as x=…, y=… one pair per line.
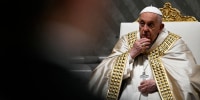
x=140, y=46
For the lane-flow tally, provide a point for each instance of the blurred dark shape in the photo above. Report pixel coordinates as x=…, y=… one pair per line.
x=29, y=67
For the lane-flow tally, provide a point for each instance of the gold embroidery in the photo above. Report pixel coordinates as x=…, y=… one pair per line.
x=132, y=38
x=116, y=77
x=118, y=70
x=155, y=62
x=159, y=70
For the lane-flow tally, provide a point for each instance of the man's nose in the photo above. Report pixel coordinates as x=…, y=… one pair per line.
x=146, y=28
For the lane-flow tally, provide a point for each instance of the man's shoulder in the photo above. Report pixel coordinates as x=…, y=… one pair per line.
x=175, y=35
x=167, y=33
x=132, y=33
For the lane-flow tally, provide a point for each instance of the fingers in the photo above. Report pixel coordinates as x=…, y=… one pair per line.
x=139, y=47
x=147, y=86
x=143, y=82
x=144, y=42
x=143, y=88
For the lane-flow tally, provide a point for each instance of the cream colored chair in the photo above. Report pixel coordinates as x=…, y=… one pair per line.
x=186, y=26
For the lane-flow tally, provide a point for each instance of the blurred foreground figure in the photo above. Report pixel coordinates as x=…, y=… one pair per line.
x=149, y=64
x=42, y=36
x=71, y=28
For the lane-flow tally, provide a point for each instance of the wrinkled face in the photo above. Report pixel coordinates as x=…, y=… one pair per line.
x=150, y=25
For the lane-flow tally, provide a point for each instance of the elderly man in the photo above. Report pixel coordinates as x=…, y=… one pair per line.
x=151, y=63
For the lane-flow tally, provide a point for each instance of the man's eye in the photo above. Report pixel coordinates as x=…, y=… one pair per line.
x=151, y=25
x=142, y=23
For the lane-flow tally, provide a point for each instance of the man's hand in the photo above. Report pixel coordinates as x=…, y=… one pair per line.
x=148, y=86
x=139, y=47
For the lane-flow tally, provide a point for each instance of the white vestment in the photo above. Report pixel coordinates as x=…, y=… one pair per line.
x=178, y=62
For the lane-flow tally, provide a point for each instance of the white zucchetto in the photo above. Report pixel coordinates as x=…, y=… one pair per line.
x=151, y=9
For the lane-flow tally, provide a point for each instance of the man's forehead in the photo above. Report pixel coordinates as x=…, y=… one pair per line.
x=148, y=16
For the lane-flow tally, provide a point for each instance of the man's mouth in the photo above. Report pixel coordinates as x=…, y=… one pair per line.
x=145, y=36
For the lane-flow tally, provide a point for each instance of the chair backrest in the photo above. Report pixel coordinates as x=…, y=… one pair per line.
x=185, y=26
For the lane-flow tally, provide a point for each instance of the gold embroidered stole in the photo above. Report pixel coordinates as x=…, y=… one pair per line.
x=116, y=77
x=158, y=69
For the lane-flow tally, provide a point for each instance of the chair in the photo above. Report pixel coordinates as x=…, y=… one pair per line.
x=185, y=26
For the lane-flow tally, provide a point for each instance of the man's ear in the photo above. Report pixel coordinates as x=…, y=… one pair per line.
x=162, y=26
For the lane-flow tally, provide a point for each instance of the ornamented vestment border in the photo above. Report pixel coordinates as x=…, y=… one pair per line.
x=158, y=69
x=155, y=63
x=118, y=70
